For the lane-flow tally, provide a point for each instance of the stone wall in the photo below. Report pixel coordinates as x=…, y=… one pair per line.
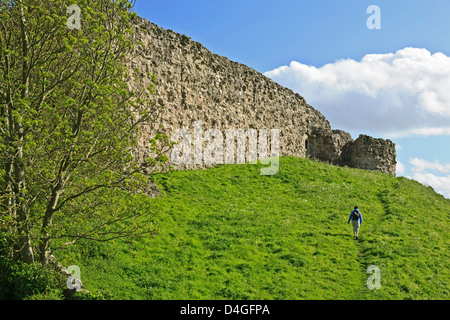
x=197, y=85
x=370, y=154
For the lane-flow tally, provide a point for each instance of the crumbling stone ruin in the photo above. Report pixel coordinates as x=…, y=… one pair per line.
x=370, y=154
x=195, y=84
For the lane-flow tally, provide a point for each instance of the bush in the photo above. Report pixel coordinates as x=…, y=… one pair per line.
x=20, y=281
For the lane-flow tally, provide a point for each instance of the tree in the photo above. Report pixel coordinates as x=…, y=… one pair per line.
x=69, y=123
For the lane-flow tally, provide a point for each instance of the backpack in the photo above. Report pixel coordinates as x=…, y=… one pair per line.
x=356, y=215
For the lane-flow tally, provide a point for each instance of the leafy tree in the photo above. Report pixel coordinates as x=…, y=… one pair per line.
x=69, y=125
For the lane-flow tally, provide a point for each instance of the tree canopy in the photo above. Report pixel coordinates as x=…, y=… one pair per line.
x=69, y=123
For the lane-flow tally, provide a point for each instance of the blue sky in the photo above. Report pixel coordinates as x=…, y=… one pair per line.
x=389, y=82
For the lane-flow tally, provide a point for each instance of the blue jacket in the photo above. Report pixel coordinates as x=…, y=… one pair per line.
x=351, y=214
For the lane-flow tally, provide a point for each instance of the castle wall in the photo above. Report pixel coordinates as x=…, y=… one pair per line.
x=196, y=85
x=370, y=154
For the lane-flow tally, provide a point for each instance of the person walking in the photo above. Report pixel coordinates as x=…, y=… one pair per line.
x=356, y=218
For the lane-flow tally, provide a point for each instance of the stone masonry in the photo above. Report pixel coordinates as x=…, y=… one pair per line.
x=195, y=84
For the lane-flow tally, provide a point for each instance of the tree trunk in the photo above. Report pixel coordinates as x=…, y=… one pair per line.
x=44, y=246
x=8, y=198
x=22, y=210
x=25, y=248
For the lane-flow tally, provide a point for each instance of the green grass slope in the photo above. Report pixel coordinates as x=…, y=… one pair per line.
x=230, y=233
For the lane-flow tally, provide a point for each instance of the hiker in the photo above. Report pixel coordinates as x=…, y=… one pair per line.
x=356, y=218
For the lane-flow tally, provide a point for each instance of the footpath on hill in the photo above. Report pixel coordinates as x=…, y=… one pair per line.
x=230, y=233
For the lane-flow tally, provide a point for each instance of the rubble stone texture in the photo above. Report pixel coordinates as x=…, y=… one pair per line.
x=195, y=84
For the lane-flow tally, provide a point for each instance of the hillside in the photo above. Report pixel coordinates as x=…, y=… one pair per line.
x=230, y=233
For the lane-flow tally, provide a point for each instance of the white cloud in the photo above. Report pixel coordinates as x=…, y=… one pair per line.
x=420, y=165
x=400, y=168
x=424, y=132
x=439, y=184
x=421, y=173
x=395, y=94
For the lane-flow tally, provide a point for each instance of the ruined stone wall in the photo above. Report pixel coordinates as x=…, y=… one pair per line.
x=370, y=154
x=197, y=85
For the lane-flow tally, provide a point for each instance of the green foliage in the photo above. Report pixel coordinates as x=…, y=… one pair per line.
x=94, y=295
x=69, y=120
x=7, y=238
x=20, y=281
x=230, y=233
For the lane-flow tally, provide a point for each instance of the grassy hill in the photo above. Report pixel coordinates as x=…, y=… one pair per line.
x=230, y=233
